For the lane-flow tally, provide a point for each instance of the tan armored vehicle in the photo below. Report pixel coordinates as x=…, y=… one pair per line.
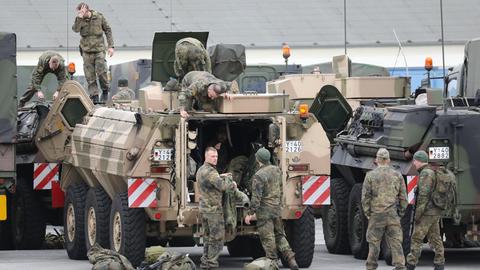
x=129, y=172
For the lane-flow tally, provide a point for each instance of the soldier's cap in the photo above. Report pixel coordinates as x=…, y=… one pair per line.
x=122, y=83
x=421, y=156
x=383, y=153
x=263, y=155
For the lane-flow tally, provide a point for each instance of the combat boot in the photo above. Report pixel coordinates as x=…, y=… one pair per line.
x=290, y=258
x=94, y=99
x=438, y=267
x=104, y=96
x=410, y=267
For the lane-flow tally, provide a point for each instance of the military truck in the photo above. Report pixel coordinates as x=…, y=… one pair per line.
x=128, y=171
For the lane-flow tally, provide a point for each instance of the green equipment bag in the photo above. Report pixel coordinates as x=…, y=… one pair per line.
x=175, y=261
x=445, y=190
x=262, y=263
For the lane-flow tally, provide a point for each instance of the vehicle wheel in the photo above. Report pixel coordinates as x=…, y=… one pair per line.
x=335, y=219
x=238, y=247
x=74, y=221
x=28, y=218
x=405, y=222
x=127, y=229
x=256, y=248
x=97, y=215
x=301, y=237
x=182, y=241
x=357, y=224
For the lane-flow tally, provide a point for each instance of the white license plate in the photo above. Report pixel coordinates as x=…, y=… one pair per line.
x=439, y=153
x=294, y=146
x=162, y=154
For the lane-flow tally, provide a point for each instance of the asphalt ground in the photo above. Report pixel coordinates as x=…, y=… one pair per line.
x=57, y=259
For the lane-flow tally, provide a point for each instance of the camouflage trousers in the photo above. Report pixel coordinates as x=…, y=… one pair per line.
x=213, y=237
x=94, y=64
x=189, y=57
x=427, y=227
x=272, y=236
x=388, y=225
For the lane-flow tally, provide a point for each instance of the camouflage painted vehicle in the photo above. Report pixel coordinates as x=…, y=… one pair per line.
x=129, y=173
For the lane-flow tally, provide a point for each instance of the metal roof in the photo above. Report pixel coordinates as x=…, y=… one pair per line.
x=265, y=23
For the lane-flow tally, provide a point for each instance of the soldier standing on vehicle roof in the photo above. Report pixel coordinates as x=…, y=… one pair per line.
x=202, y=87
x=266, y=206
x=212, y=185
x=92, y=25
x=190, y=55
x=427, y=216
x=384, y=201
x=49, y=62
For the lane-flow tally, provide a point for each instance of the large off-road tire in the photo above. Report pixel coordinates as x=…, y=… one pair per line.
x=301, y=237
x=405, y=222
x=239, y=247
x=74, y=221
x=335, y=219
x=182, y=241
x=29, y=222
x=127, y=229
x=97, y=216
x=357, y=224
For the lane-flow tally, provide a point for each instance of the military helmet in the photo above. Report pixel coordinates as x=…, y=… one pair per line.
x=421, y=156
x=122, y=82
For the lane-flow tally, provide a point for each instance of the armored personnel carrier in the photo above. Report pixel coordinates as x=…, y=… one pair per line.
x=128, y=171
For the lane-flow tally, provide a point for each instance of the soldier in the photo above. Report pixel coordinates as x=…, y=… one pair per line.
x=124, y=92
x=384, y=201
x=266, y=206
x=223, y=148
x=49, y=62
x=212, y=185
x=92, y=25
x=190, y=55
x=204, y=88
x=427, y=216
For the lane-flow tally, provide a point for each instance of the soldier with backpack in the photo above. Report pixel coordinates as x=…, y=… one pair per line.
x=436, y=191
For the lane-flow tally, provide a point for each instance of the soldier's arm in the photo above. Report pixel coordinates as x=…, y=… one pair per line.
x=108, y=32
x=218, y=182
x=37, y=75
x=257, y=191
x=424, y=183
x=366, y=196
x=402, y=197
x=183, y=99
x=61, y=76
x=77, y=25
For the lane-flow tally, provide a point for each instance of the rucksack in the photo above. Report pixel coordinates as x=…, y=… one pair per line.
x=171, y=261
x=445, y=189
x=262, y=263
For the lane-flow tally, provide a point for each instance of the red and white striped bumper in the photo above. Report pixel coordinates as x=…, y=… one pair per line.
x=44, y=174
x=316, y=190
x=142, y=192
x=412, y=182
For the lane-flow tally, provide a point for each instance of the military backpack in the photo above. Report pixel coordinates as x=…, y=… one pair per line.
x=262, y=263
x=445, y=189
x=171, y=261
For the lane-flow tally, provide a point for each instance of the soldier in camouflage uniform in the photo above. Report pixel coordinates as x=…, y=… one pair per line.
x=49, y=62
x=92, y=25
x=124, y=92
x=427, y=216
x=266, y=206
x=384, y=201
x=202, y=87
x=212, y=186
x=190, y=55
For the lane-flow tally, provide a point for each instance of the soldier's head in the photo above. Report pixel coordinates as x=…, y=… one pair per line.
x=420, y=158
x=211, y=156
x=54, y=62
x=263, y=156
x=383, y=157
x=214, y=90
x=122, y=83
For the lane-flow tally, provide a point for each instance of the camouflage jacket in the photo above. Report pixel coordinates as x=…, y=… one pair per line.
x=232, y=198
x=91, y=32
x=426, y=184
x=266, y=192
x=212, y=187
x=195, y=85
x=190, y=55
x=43, y=68
x=124, y=93
x=384, y=192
